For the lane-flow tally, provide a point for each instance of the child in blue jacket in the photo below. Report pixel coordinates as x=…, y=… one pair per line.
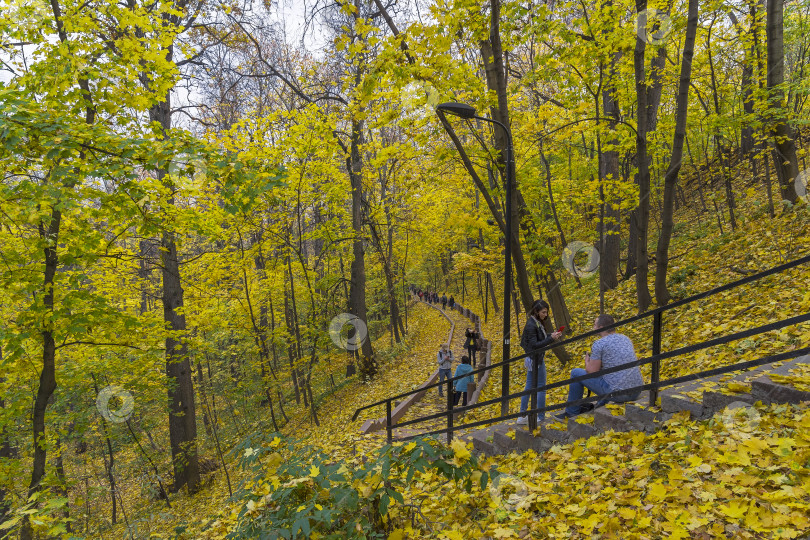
x=461, y=384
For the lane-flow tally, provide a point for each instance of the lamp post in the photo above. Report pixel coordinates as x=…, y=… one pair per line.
x=463, y=110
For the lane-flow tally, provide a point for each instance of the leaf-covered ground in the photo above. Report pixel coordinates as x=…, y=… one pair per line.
x=746, y=477
x=730, y=477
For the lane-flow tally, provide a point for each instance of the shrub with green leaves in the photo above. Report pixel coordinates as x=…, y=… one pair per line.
x=298, y=491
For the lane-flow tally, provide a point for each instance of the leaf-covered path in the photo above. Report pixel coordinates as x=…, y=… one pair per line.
x=432, y=402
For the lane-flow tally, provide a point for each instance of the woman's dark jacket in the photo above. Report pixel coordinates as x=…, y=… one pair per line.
x=534, y=337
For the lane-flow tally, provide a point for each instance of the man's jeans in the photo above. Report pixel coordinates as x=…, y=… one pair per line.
x=598, y=386
x=443, y=374
x=541, y=396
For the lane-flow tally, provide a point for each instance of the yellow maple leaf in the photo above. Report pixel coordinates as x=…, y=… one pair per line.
x=501, y=532
x=314, y=471
x=460, y=450
x=734, y=509
x=738, y=388
x=657, y=491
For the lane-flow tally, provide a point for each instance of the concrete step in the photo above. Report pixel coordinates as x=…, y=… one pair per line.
x=604, y=420
x=768, y=391
x=482, y=446
x=716, y=401
x=556, y=436
x=580, y=431
x=672, y=404
x=504, y=441
x=643, y=417
x=527, y=441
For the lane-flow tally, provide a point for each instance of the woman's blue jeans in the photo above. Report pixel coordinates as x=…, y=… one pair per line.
x=541, y=396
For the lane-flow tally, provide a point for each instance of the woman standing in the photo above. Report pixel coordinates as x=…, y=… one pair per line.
x=534, y=337
x=472, y=343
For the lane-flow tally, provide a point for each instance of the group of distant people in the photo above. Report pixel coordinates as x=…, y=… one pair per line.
x=432, y=297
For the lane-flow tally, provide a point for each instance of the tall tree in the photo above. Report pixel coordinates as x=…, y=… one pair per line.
x=785, y=160
x=662, y=295
x=642, y=217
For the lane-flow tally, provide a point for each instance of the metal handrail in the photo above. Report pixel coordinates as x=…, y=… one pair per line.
x=654, y=359
x=591, y=399
x=637, y=363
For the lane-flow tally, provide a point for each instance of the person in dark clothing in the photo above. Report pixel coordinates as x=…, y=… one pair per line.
x=451, y=302
x=471, y=344
x=444, y=301
x=534, y=337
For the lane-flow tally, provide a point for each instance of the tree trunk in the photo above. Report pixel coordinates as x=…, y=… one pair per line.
x=47, y=377
x=667, y=221
x=182, y=411
x=784, y=139
x=610, y=225
x=109, y=464
x=62, y=487
x=393, y=305
x=643, y=216
x=292, y=351
x=357, y=287
x=492, y=55
x=5, y=455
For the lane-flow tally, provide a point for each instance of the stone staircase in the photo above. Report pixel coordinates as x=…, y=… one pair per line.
x=702, y=398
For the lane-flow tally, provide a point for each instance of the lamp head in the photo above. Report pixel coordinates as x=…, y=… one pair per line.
x=457, y=109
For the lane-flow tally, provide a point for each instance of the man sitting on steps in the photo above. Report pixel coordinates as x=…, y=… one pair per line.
x=610, y=350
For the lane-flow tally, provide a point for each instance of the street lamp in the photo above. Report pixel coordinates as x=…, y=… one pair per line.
x=463, y=110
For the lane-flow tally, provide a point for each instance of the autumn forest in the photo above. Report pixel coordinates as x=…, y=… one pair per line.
x=216, y=217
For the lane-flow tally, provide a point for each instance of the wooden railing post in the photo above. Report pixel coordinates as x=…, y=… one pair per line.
x=449, y=411
x=655, y=376
x=533, y=398
x=388, y=429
